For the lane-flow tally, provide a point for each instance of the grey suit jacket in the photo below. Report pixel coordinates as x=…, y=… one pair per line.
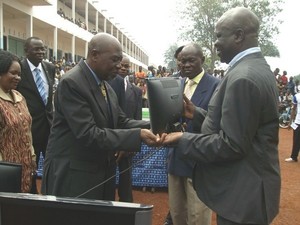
x=237, y=173
x=84, y=136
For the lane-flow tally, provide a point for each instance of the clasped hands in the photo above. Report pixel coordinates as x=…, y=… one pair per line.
x=172, y=138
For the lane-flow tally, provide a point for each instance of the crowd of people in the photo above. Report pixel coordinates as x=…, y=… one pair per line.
x=225, y=160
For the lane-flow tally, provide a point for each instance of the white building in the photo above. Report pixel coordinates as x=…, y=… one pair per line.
x=20, y=19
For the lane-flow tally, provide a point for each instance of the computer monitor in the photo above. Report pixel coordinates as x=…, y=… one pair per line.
x=10, y=177
x=165, y=96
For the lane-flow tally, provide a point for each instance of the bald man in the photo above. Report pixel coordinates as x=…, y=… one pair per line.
x=89, y=127
x=237, y=173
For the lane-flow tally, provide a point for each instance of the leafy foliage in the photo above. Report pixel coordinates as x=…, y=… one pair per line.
x=200, y=16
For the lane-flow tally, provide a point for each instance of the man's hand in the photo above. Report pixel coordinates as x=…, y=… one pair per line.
x=189, y=108
x=150, y=139
x=171, y=138
x=119, y=155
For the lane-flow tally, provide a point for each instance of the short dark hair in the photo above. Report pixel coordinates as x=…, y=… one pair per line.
x=28, y=41
x=178, y=50
x=6, y=60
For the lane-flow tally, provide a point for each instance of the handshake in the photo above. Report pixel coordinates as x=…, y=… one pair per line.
x=159, y=140
x=172, y=138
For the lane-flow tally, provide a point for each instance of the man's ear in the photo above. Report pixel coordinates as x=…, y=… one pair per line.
x=239, y=35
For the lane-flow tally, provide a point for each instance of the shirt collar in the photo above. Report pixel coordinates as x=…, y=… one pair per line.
x=243, y=54
x=16, y=96
x=32, y=67
x=197, y=78
x=93, y=73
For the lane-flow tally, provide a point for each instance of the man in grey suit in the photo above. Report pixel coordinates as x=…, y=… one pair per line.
x=237, y=173
x=40, y=111
x=89, y=126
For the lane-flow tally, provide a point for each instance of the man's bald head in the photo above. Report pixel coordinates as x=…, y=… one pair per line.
x=104, y=55
x=236, y=30
x=240, y=17
x=102, y=42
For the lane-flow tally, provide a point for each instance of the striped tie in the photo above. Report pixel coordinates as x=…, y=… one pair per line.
x=189, y=89
x=40, y=85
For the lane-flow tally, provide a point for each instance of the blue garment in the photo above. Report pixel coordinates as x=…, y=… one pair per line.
x=200, y=98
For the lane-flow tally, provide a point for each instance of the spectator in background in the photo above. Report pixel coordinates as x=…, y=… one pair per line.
x=276, y=72
x=142, y=85
x=151, y=72
x=15, y=120
x=130, y=101
x=284, y=78
x=295, y=119
x=297, y=86
x=291, y=85
x=140, y=74
x=36, y=86
x=178, y=63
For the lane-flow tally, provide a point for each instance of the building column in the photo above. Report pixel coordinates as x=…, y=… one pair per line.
x=55, y=43
x=105, y=24
x=29, y=27
x=73, y=48
x=73, y=11
x=97, y=21
x=86, y=48
x=87, y=15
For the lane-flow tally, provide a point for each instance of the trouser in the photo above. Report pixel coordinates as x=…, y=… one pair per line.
x=296, y=143
x=223, y=221
x=125, y=179
x=185, y=206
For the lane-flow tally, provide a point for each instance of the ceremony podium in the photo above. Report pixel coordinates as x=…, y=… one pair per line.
x=29, y=209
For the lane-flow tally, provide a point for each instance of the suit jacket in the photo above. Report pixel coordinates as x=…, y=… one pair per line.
x=237, y=173
x=203, y=92
x=84, y=135
x=130, y=100
x=41, y=115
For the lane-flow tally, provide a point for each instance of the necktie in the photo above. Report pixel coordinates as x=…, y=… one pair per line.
x=188, y=91
x=40, y=85
x=103, y=91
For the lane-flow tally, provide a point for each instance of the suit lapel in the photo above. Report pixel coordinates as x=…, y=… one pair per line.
x=95, y=89
x=28, y=76
x=200, y=90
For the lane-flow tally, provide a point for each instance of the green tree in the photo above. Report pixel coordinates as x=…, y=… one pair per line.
x=170, y=61
x=200, y=16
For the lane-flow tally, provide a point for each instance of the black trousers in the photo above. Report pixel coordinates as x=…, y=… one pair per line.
x=296, y=143
x=223, y=221
x=125, y=179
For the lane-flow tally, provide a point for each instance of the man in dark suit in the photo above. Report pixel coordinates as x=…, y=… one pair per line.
x=237, y=173
x=40, y=110
x=185, y=206
x=89, y=126
x=130, y=100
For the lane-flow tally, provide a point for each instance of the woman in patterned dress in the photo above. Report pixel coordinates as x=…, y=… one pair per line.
x=15, y=120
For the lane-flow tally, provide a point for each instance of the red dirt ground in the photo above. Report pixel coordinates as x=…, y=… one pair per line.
x=290, y=191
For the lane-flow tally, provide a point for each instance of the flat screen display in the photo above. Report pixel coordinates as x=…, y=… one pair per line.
x=165, y=96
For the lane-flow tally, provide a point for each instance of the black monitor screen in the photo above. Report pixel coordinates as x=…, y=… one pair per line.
x=165, y=98
x=10, y=177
